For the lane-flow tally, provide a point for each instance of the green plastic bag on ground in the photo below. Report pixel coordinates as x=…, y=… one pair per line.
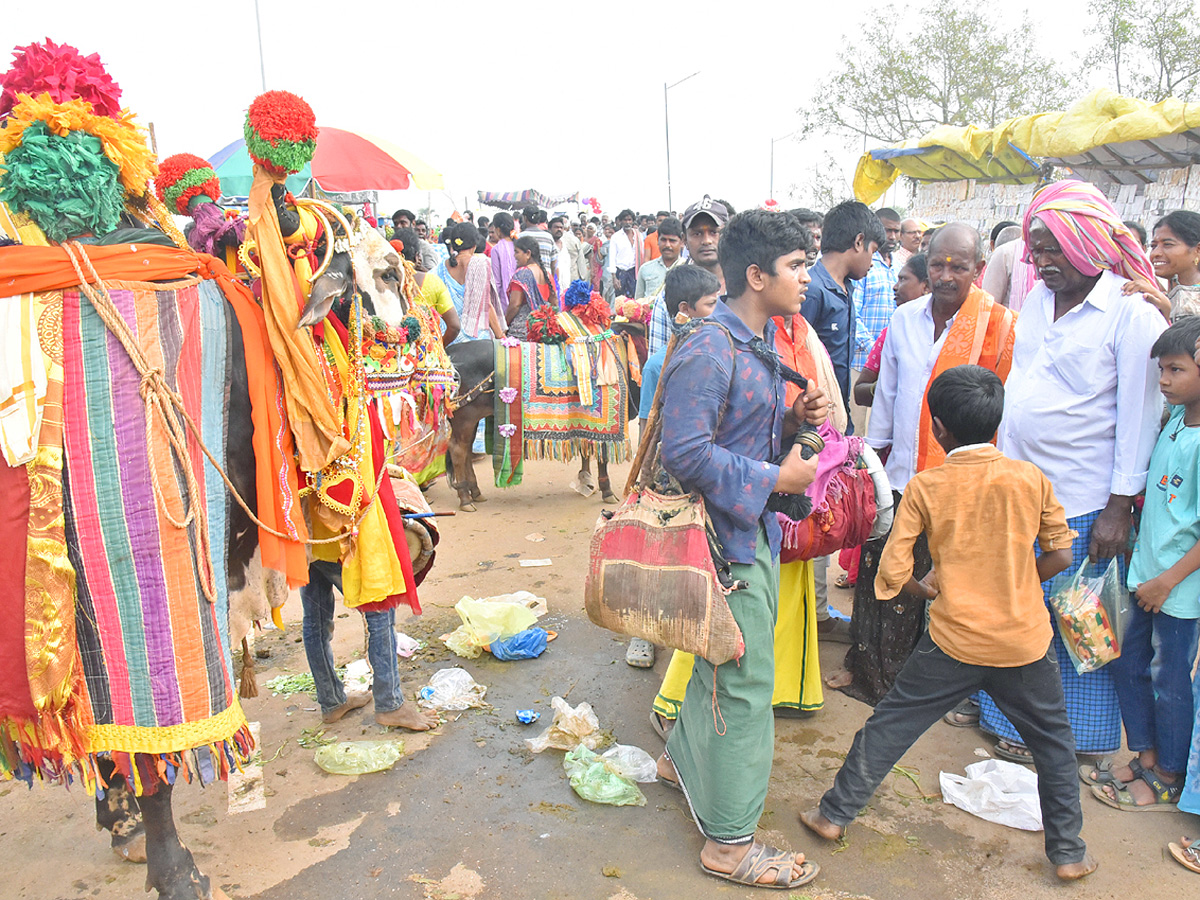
x=593, y=779
x=359, y=757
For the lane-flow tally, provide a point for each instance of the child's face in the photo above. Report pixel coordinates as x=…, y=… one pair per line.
x=703, y=307
x=1179, y=379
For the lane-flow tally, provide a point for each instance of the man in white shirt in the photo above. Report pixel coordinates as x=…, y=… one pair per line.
x=1082, y=404
x=625, y=252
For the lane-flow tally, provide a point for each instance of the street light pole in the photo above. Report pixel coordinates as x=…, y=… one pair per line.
x=667, y=122
x=262, y=66
x=771, y=195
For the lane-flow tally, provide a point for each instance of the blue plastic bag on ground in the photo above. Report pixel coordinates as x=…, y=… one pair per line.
x=527, y=644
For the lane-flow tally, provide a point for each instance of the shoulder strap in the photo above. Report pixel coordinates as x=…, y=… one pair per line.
x=645, y=463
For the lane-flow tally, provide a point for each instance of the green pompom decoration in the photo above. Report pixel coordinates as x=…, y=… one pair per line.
x=66, y=184
x=287, y=156
x=412, y=325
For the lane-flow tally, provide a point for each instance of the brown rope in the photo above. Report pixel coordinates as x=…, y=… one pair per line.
x=458, y=401
x=158, y=396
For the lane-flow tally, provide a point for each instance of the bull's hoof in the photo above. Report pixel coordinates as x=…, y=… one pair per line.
x=132, y=848
x=610, y=497
x=467, y=507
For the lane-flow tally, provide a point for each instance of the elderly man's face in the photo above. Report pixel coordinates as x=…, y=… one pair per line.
x=952, y=267
x=910, y=235
x=1051, y=263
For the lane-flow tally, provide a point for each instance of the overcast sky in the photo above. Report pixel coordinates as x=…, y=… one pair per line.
x=558, y=96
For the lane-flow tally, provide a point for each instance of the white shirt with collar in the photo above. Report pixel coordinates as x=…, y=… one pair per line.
x=1082, y=401
x=621, y=254
x=906, y=364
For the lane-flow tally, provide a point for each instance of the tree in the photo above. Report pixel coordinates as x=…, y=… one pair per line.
x=1151, y=46
x=950, y=66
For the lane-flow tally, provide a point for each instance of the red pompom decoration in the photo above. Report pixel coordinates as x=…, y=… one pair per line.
x=182, y=177
x=280, y=131
x=62, y=72
x=595, y=312
x=543, y=327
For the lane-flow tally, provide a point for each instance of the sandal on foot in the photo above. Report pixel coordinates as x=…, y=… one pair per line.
x=1013, y=752
x=762, y=859
x=1166, y=796
x=661, y=724
x=672, y=783
x=640, y=654
x=1101, y=773
x=965, y=715
x=843, y=582
x=1187, y=856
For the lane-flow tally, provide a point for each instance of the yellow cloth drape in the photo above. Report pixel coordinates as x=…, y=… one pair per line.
x=797, y=669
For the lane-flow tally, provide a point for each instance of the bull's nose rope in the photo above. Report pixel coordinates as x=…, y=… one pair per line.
x=158, y=397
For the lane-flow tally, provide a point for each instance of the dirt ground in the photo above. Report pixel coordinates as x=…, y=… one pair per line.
x=468, y=813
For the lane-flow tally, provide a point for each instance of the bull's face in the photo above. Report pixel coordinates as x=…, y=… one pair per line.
x=374, y=266
x=379, y=273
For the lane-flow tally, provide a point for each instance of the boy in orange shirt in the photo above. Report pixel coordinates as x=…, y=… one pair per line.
x=988, y=627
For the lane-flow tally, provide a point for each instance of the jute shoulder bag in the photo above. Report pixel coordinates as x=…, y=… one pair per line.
x=656, y=569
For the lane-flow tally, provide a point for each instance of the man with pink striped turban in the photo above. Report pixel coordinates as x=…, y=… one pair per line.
x=1082, y=404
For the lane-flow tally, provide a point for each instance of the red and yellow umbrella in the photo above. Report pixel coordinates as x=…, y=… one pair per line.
x=345, y=161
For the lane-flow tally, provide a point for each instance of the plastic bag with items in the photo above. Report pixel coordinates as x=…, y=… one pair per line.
x=1092, y=613
x=487, y=621
x=597, y=779
x=571, y=727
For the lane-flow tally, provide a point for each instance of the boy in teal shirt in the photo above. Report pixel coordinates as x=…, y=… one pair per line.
x=1153, y=673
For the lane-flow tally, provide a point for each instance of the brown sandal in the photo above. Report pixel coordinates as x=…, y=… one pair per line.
x=762, y=859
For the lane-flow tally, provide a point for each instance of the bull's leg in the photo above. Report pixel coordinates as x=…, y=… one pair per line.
x=585, y=483
x=170, y=869
x=118, y=814
x=458, y=458
x=606, y=491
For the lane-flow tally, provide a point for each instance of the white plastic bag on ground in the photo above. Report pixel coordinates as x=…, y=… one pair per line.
x=357, y=677
x=452, y=688
x=631, y=762
x=996, y=790
x=570, y=728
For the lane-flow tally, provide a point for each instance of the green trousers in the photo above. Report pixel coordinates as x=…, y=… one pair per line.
x=724, y=739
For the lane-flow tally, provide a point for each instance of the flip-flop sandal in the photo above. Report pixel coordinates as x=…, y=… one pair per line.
x=965, y=715
x=1166, y=797
x=843, y=582
x=1002, y=750
x=762, y=859
x=640, y=654
x=1188, y=857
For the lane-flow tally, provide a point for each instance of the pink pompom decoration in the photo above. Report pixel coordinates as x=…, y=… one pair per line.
x=507, y=430
x=508, y=394
x=62, y=72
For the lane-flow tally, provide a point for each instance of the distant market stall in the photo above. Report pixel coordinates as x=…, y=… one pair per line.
x=520, y=199
x=1146, y=158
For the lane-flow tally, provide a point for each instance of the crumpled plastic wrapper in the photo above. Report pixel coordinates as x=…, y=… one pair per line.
x=594, y=778
x=452, y=689
x=570, y=728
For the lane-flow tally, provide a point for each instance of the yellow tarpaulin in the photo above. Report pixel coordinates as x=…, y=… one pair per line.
x=1011, y=152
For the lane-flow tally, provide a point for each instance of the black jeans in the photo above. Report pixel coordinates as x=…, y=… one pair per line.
x=930, y=685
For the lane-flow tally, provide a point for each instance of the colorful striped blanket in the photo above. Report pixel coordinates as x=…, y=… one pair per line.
x=574, y=396
x=153, y=672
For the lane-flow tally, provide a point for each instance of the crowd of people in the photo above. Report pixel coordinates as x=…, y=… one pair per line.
x=1015, y=385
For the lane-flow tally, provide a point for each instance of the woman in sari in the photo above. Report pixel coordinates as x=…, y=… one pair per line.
x=531, y=287
x=468, y=277
x=504, y=260
x=432, y=289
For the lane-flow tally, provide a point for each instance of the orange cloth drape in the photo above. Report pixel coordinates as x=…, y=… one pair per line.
x=315, y=422
x=982, y=334
x=25, y=269
x=276, y=479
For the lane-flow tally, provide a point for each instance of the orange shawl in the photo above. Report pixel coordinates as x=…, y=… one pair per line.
x=982, y=334
x=316, y=423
